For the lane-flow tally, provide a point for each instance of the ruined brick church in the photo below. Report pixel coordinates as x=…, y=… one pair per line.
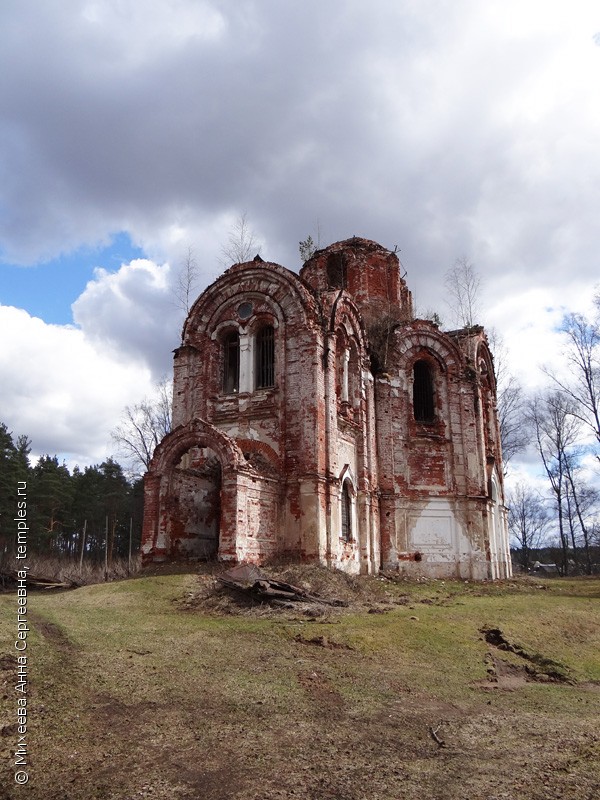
x=314, y=417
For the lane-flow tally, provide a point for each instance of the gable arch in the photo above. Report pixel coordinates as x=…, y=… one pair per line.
x=351, y=355
x=346, y=474
x=423, y=341
x=426, y=363
x=197, y=433
x=223, y=317
x=267, y=283
x=344, y=312
x=224, y=327
x=253, y=448
x=428, y=356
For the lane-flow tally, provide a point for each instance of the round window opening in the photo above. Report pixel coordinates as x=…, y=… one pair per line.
x=245, y=310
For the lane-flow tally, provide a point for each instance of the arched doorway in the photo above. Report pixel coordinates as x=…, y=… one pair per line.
x=192, y=502
x=195, y=485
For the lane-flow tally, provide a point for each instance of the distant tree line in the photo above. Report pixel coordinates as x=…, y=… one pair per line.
x=90, y=512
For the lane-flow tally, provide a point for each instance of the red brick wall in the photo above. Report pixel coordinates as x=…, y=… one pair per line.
x=420, y=490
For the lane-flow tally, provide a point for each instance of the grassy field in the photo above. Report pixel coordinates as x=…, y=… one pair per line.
x=161, y=687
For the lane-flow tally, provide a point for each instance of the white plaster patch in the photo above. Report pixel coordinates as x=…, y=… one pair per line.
x=437, y=534
x=347, y=454
x=431, y=529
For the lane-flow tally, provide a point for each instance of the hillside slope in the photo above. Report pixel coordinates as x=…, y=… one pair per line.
x=160, y=687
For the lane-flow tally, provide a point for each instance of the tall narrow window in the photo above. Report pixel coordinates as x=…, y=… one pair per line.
x=354, y=377
x=336, y=271
x=423, y=392
x=344, y=358
x=346, y=513
x=265, y=357
x=231, y=362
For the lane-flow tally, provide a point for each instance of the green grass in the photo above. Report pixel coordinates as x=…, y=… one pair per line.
x=134, y=683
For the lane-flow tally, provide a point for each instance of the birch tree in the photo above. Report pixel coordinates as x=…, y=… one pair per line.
x=241, y=243
x=528, y=521
x=186, y=284
x=463, y=284
x=556, y=432
x=582, y=382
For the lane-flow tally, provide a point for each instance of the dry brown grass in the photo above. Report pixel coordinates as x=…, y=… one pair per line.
x=69, y=571
x=149, y=688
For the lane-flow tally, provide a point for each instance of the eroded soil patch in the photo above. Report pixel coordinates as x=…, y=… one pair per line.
x=538, y=667
x=52, y=633
x=322, y=641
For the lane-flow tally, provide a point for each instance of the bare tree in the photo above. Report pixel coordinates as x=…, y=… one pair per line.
x=582, y=504
x=528, y=521
x=583, y=355
x=515, y=430
x=143, y=426
x=463, y=283
x=595, y=533
x=241, y=243
x=556, y=431
x=187, y=282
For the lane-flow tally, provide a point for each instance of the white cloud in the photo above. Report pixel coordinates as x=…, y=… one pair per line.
x=143, y=34
x=132, y=314
x=447, y=129
x=530, y=320
x=62, y=391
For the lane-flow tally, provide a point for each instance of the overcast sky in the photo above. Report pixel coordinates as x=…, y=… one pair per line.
x=132, y=131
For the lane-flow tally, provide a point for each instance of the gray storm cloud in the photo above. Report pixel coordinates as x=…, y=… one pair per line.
x=443, y=129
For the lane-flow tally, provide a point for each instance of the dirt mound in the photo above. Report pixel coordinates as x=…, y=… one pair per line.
x=352, y=592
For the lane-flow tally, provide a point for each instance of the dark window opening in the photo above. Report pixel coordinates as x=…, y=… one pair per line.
x=346, y=513
x=336, y=271
x=265, y=357
x=231, y=363
x=423, y=392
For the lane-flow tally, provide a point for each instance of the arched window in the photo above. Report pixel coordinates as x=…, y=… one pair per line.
x=231, y=362
x=346, y=513
x=423, y=407
x=265, y=357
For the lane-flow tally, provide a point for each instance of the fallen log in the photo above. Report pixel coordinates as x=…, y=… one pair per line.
x=10, y=580
x=249, y=580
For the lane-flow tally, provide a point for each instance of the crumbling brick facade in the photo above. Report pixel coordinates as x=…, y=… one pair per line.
x=314, y=417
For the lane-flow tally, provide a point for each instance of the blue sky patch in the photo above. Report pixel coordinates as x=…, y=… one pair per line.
x=48, y=290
